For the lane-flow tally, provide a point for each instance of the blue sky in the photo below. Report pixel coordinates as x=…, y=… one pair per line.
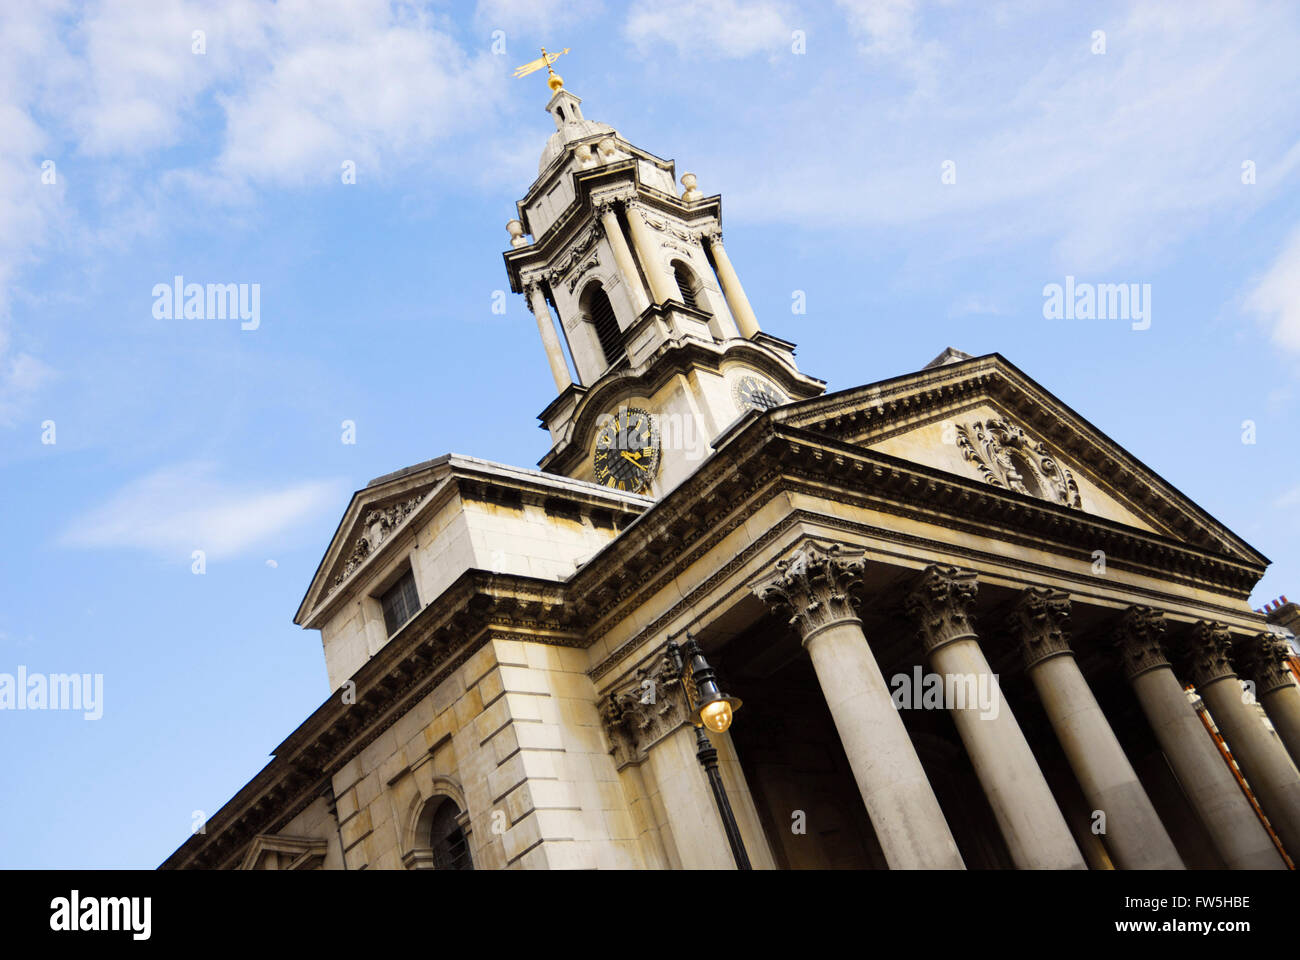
x=171, y=435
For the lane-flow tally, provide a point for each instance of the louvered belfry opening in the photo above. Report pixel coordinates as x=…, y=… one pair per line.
x=450, y=845
x=607, y=331
x=685, y=284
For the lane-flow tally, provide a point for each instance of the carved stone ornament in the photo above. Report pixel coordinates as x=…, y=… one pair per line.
x=1208, y=652
x=813, y=585
x=561, y=266
x=1139, y=641
x=1263, y=658
x=379, y=524
x=644, y=711
x=576, y=277
x=941, y=604
x=1041, y=621
x=1007, y=457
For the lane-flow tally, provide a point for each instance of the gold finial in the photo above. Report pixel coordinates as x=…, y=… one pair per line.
x=554, y=81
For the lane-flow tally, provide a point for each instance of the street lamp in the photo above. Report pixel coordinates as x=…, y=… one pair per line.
x=709, y=707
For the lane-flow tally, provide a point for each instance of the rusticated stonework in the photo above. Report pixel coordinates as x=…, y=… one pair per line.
x=1007, y=457
x=814, y=585
x=1041, y=622
x=1138, y=641
x=647, y=709
x=941, y=604
x=1263, y=659
x=1208, y=653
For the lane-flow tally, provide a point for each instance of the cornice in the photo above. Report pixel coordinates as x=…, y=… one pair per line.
x=712, y=499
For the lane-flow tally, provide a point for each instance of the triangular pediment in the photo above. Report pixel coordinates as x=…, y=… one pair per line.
x=269, y=851
x=985, y=420
x=376, y=514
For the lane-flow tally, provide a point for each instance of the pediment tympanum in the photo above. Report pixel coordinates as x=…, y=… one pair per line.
x=269, y=851
x=1006, y=456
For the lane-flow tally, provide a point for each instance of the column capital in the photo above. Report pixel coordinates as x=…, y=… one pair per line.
x=941, y=603
x=642, y=711
x=814, y=585
x=1263, y=659
x=1041, y=621
x=1138, y=641
x=1207, y=652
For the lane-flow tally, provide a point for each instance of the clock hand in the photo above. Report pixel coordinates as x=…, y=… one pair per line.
x=628, y=457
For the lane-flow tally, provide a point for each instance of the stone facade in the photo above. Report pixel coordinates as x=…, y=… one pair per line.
x=960, y=618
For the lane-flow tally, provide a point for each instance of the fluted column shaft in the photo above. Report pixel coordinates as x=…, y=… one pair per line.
x=1133, y=833
x=662, y=286
x=550, y=339
x=1030, y=820
x=1208, y=784
x=732, y=290
x=813, y=584
x=623, y=258
x=1262, y=759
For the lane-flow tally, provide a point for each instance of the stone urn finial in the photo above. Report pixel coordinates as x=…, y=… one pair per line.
x=690, y=192
x=516, y=231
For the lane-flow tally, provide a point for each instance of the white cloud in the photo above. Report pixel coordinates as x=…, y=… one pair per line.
x=888, y=31
x=183, y=508
x=712, y=29
x=525, y=21
x=362, y=86
x=283, y=93
x=1108, y=159
x=1275, y=296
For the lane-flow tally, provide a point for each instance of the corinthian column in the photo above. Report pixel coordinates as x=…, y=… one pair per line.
x=550, y=341
x=1208, y=784
x=1263, y=659
x=813, y=585
x=1027, y=814
x=1263, y=760
x=732, y=290
x=1133, y=834
x=623, y=258
x=662, y=286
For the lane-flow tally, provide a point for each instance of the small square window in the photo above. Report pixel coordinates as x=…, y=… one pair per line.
x=400, y=602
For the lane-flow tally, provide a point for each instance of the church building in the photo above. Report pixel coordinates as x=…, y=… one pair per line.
x=936, y=621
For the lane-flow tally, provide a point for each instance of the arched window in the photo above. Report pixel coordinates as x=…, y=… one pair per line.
x=686, y=284
x=447, y=838
x=596, y=305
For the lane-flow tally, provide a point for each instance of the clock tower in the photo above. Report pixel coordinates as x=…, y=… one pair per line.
x=666, y=350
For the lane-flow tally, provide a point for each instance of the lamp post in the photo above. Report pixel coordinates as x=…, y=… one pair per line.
x=711, y=708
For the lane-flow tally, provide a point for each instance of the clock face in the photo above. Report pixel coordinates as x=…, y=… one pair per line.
x=755, y=393
x=627, y=450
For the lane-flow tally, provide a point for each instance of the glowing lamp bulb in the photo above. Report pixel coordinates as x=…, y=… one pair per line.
x=717, y=716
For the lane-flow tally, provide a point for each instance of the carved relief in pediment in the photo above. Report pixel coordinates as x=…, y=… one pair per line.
x=379, y=525
x=1008, y=457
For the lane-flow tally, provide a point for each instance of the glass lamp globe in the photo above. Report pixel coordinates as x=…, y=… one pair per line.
x=716, y=715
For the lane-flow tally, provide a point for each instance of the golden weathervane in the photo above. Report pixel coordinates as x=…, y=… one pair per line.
x=555, y=81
